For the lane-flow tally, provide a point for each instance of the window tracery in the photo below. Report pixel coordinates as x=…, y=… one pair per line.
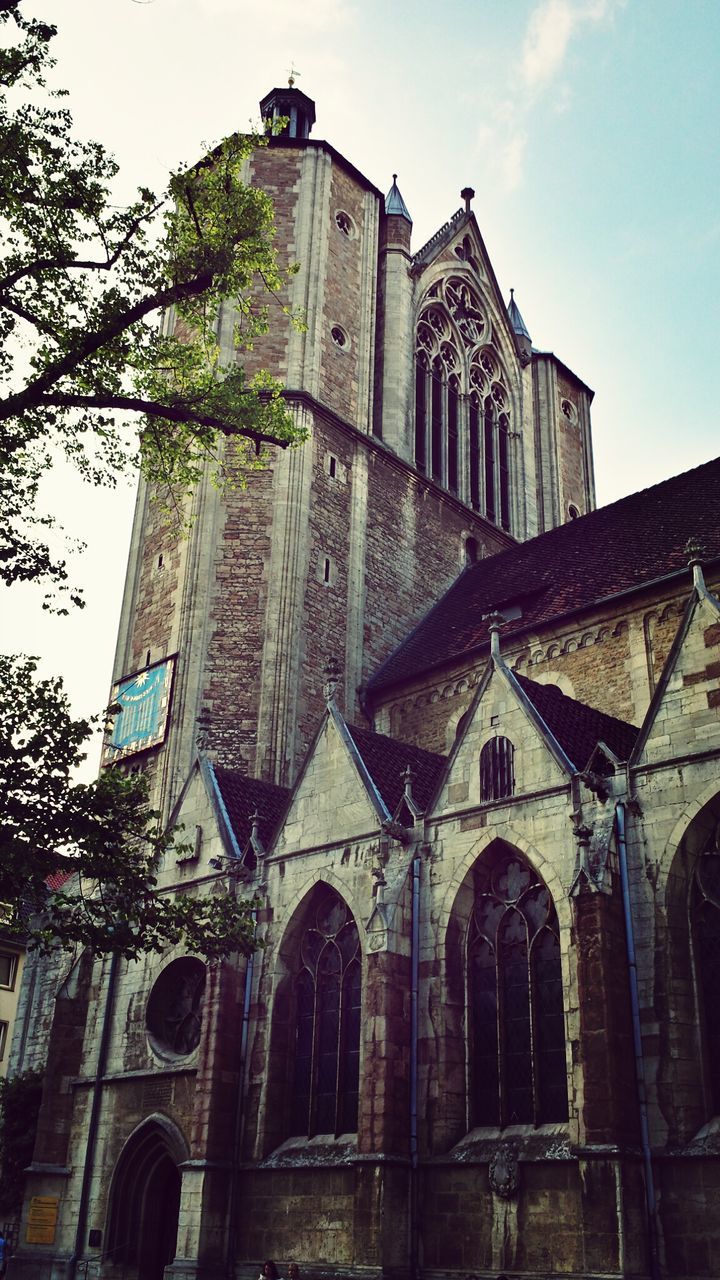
x=327, y=1021
x=515, y=998
x=705, y=924
x=462, y=422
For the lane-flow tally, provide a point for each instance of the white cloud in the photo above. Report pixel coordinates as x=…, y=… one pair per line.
x=551, y=27
x=549, y=31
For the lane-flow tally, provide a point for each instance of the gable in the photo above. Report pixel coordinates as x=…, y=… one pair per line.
x=202, y=832
x=331, y=800
x=684, y=715
x=498, y=711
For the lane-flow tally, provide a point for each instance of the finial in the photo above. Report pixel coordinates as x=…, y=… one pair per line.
x=695, y=551
x=512, y=295
x=292, y=73
x=394, y=177
x=495, y=621
x=467, y=194
x=408, y=779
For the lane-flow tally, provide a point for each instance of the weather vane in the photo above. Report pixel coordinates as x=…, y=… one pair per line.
x=292, y=73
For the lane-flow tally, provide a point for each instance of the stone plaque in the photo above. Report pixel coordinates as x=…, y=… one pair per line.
x=42, y=1220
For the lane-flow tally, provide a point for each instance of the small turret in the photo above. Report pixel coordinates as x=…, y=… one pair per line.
x=294, y=105
x=397, y=223
x=522, y=337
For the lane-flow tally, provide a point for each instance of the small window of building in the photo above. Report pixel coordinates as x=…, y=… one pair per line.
x=471, y=551
x=345, y=224
x=332, y=467
x=497, y=773
x=573, y=511
x=8, y=970
x=3, y=1039
x=339, y=337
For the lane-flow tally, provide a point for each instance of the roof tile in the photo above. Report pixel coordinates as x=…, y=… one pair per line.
x=609, y=551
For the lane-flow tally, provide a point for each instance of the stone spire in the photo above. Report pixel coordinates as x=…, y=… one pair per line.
x=395, y=206
x=522, y=337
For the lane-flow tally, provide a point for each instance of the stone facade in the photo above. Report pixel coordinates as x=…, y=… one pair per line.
x=477, y=1037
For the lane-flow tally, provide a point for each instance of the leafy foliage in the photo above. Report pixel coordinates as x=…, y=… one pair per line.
x=102, y=835
x=19, y=1107
x=80, y=281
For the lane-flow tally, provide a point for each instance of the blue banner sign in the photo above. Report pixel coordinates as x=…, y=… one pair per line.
x=144, y=704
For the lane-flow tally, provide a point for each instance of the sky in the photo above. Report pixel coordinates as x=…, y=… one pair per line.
x=588, y=129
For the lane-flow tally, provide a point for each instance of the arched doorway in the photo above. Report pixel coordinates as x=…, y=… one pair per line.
x=145, y=1200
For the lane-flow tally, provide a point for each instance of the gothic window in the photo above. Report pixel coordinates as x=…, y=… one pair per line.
x=174, y=1009
x=497, y=774
x=515, y=998
x=327, y=1022
x=462, y=422
x=705, y=918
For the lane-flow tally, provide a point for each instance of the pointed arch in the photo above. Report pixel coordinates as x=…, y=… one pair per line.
x=688, y=957
x=315, y=1030
x=144, y=1200
x=505, y=969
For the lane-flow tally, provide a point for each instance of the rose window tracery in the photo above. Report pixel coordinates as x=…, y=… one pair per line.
x=462, y=423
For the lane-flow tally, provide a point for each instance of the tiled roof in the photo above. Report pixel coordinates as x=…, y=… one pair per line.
x=57, y=880
x=242, y=796
x=612, y=550
x=577, y=727
x=386, y=761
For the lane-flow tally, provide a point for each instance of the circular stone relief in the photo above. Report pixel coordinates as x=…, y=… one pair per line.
x=174, y=1011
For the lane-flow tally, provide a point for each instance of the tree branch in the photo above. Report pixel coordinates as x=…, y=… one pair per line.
x=19, y=311
x=170, y=413
x=32, y=395
x=78, y=264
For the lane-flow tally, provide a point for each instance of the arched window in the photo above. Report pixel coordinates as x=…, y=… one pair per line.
x=497, y=769
x=515, y=998
x=327, y=1021
x=462, y=423
x=705, y=921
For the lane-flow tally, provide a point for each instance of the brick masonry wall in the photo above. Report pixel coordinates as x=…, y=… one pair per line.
x=231, y=680
x=339, y=367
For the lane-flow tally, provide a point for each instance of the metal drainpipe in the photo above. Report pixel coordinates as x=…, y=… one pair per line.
x=71, y=1266
x=239, y=1110
x=414, y=977
x=637, y=1044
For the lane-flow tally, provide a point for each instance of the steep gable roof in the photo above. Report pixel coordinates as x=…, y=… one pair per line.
x=608, y=552
x=577, y=727
x=243, y=797
x=386, y=760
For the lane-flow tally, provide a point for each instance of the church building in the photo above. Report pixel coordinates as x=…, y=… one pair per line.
x=456, y=732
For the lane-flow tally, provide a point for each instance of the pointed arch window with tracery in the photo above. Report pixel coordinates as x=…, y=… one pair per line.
x=515, y=998
x=462, y=404
x=327, y=1021
x=705, y=925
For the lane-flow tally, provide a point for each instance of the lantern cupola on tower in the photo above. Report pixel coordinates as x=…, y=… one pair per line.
x=293, y=105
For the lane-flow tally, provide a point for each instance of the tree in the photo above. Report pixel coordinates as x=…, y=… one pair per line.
x=19, y=1106
x=83, y=360
x=81, y=280
x=103, y=835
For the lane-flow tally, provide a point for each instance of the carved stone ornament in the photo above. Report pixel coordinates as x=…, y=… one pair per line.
x=504, y=1172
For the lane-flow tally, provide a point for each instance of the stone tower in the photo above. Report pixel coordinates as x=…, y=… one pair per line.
x=436, y=436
